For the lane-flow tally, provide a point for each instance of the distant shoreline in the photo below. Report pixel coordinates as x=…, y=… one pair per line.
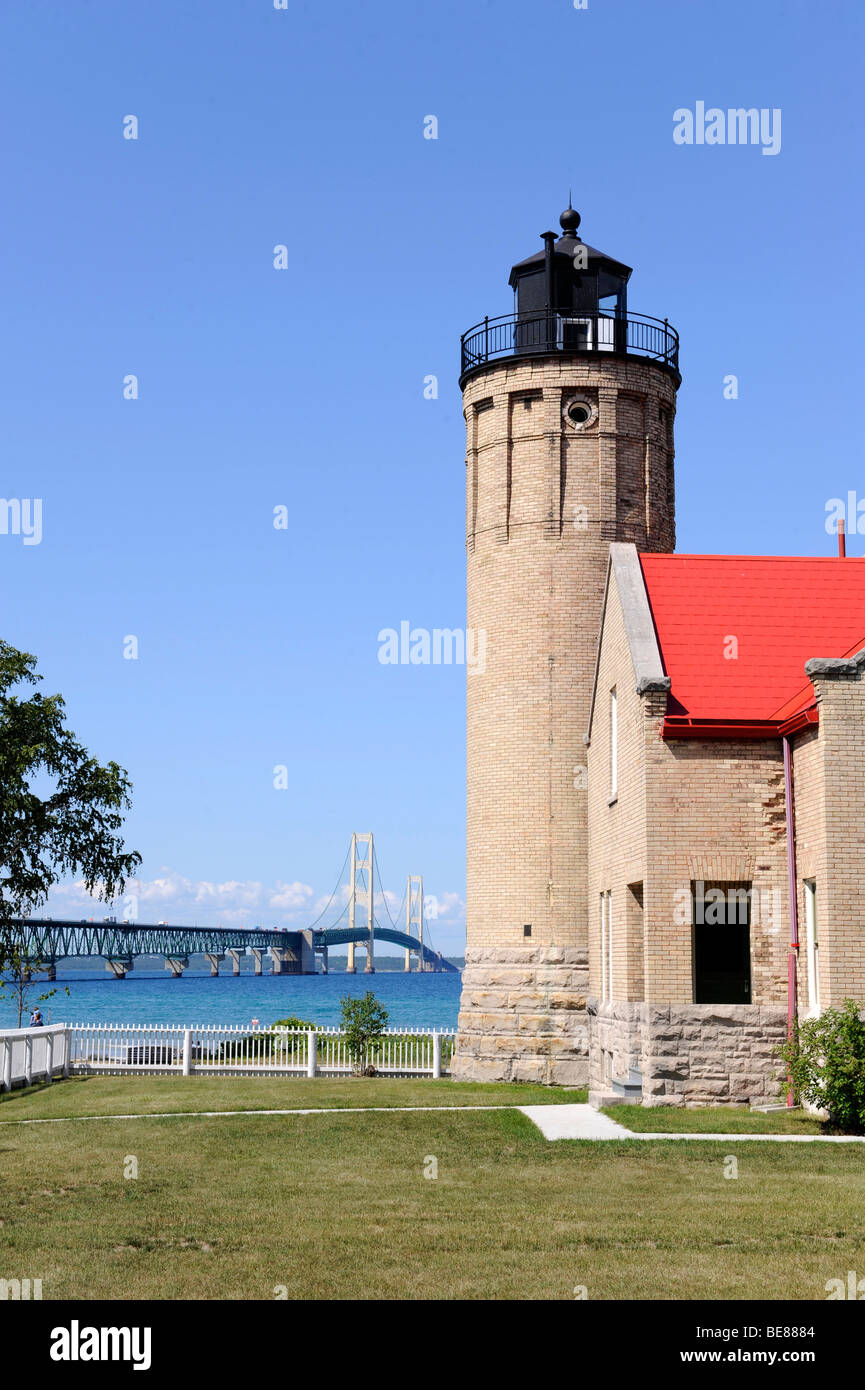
x=87, y=966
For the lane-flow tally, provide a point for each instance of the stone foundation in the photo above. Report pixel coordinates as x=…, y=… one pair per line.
x=523, y=1016
x=687, y=1054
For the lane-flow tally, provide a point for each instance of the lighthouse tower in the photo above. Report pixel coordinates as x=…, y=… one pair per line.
x=569, y=404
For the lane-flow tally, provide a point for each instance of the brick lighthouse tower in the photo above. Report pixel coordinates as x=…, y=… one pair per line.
x=569, y=404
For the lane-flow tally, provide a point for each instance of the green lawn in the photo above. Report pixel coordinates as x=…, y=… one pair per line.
x=721, y=1119
x=133, y=1095
x=337, y=1206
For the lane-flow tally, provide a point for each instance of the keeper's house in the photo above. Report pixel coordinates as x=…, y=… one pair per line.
x=726, y=762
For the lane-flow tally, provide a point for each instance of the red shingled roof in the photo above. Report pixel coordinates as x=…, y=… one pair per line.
x=782, y=610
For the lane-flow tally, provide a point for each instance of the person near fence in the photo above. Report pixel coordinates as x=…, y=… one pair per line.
x=36, y=1019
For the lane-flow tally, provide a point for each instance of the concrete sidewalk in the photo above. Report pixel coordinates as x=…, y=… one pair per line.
x=584, y=1122
x=574, y=1122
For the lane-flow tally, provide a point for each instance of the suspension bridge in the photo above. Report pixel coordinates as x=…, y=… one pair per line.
x=43, y=942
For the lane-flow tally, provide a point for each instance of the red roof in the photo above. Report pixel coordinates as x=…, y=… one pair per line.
x=781, y=610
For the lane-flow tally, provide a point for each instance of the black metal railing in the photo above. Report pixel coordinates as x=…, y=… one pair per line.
x=569, y=331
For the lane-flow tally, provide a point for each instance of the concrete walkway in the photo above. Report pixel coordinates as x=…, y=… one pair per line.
x=583, y=1122
x=574, y=1122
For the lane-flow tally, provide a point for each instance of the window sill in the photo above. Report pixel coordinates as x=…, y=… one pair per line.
x=613, y=799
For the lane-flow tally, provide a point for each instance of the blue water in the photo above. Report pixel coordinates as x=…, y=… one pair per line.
x=422, y=1001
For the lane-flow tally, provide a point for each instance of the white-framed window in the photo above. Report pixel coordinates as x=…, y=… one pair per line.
x=614, y=745
x=578, y=334
x=812, y=954
x=606, y=945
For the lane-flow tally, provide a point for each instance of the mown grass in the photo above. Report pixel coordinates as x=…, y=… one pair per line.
x=134, y=1095
x=336, y=1206
x=721, y=1119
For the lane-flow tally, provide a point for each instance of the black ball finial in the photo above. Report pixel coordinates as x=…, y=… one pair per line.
x=570, y=221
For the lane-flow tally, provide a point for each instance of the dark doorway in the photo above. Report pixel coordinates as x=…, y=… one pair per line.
x=722, y=942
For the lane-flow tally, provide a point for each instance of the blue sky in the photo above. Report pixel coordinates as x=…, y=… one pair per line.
x=303, y=388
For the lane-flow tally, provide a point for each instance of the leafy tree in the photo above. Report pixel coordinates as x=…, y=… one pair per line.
x=363, y=1021
x=19, y=981
x=72, y=828
x=826, y=1062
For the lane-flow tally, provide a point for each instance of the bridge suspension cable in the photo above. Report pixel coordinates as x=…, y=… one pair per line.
x=384, y=896
x=333, y=894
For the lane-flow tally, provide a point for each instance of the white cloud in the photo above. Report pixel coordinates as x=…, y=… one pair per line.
x=290, y=896
x=172, y=897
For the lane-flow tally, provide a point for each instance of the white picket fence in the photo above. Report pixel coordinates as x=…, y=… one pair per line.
x=233, y=1050
x=33, y=1054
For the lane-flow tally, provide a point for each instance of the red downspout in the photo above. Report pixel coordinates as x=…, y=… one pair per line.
x=793, y=953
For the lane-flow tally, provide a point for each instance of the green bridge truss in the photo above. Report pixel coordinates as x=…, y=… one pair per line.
x=339, y=936
x=50, y=941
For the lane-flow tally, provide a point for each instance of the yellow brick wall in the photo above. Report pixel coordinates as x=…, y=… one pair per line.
x=686, y=810
x=543, y=502
x=834, y=853
x=535, y=584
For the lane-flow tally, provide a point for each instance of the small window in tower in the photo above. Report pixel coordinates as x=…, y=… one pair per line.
x=527, y=930
x=579, y=412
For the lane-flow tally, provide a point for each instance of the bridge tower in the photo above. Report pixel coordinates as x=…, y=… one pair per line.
x=569, y=405
x=360, y=864
x=414, y=916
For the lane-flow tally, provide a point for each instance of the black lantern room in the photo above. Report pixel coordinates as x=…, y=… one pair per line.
x=569, y=298
x=569, y=276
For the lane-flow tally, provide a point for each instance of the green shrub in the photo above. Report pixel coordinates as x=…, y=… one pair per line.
x=264, y=1042
x=363, y=1021
x=825, y=1059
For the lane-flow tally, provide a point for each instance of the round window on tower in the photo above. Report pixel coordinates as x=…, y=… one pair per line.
x=579, y=412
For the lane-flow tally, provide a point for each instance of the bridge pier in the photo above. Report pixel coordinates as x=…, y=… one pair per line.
x=351, y=968
x=284, y=961
x=307, y=953
x=177, y=965
x=324, y=961
x=214, y=958
x=369, y=968
x=119, y=966
x=257, y=953
x=235, y=954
